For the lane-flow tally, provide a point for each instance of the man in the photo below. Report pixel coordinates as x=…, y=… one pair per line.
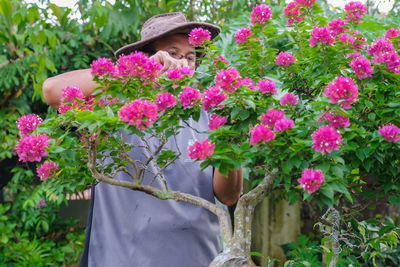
x=128, y=228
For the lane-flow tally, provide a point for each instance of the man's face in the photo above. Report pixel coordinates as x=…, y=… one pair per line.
x=178, y=47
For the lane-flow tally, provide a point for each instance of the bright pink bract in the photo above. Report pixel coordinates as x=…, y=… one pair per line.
x=285, y=59
x=390, y=132
x=326, y=139
x=140, y=113
x=261, y=14
x=283, y=124
x=335, y=120
x=261, y=133
x=362, y=67
x=342, y=88
x=271, y=116
x=213, y=96
x=322, y=34
x=201, y=150
x=46, y=169
x=189, y=96
x=137, y=64
x=102, y=66
x=267, y=86
x=198, y=35
x=293, y=13
x=165, y=100
x=32, y=147
x=307, y=3
x=355, y=11
x=337, y=26
x=228, y=80
x=289, y=98
x=27, y=123
x=311, y=180
x=216, y=122
x=242, y=35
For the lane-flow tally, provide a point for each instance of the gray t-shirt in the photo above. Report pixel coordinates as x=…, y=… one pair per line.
x=131, y=228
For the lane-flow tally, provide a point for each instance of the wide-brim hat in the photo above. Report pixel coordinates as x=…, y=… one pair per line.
x=163, y=25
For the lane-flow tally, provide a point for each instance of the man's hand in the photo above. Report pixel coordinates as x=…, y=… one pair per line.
x=168, y=62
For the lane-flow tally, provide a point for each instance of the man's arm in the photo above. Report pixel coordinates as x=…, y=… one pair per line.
x=228, y=189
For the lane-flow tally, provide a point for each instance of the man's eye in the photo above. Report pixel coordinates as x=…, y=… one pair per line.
x=172, y=53
x=191, y=58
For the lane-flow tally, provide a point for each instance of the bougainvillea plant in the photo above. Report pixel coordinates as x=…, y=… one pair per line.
x=311, y=119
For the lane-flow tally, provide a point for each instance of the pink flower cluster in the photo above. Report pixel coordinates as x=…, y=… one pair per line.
x=228, y=80
x=357, y=42
x=261, y=133
x=201, y=150
x=362, y=67
x=27, y=123
x=213, y=96
x=311, y=180
x=220, y=59
x=216, y=122
x=260, y=13
x=267, y=86
x=379, y=48
x=140, y=113
x=271, y=116
x=326, y=139
x=189, y=96
x=285, y=59
x=390, y=132
x=242, y=35
x=335, y=120
x=46, y=169
x=198, y=35
x=249, y=82
x=283, y=124
x=293, y=13
x=392, y=60
x=355, y=11
x=289, y=98
x=322, y=34
x=164, y=101
x=307, y=3
x=392, y=33
x=337, y=26
x=179, y=73
x=71, y=94
x=102, y=66
x=342, y=88
x=32, y=147
x=138, y=64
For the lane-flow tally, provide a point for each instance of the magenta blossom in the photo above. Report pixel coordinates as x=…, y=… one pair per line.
x=220, y=59
x=335, y=120
x=71, y=94
x=322, y=34
x=228, y=80
x=353, y=55
x=249, y=82
x=362, y=67
x=46, y=169
x=392, y=33
x=337, y=26
x=289, y=98
x=179, y=73
x=201, y=150
x=271, y=116
x=378, y=48
x=359, y=42
x=355, y=11
x=213, y=96
x=390, y=132
x=137, y=64
x=392, y=60
x=261, y=13
x=326, y=139
x=189, y=96
x=311, y=180
x=307, y=3
x=216, y=122
x=164, y=101
x=267, y=86
x=242, y=35
x=102, y=66
x=261, y=133
x=198, y=35
x=342, y=88
x=28, y=123
x=285, y=59
x=140, y=113
x=293, y=13
x=283, y=124
x=32, y=147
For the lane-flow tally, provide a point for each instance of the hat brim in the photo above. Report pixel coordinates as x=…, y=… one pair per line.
x=183, y=28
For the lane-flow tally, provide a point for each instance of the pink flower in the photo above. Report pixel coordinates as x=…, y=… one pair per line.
x=220, y=59
x=355, y=11
x=392, y=33
x=138, y=64
x=342, y=88
x=362, y=67
x=285, y=59
x=293, y=13
x=216, y=122
x=308, y=3
x=392, y=60
x=177, y=74
x=337, y=26
x=378, y=48
x=261, y=133
x=213, y=96
x=289, y=98
x=326, y=139
x=390, y=132
x=46, y=169
x=164, y=101
x=283, y=124
x=189, y=96
x=353, y=55
x=140, y=113
x=311, y=180
x=102, y=66
x=249, y=82
x=71, y=94
x=267, y=86
x=32, y=147
x=322, y=34
x=198, y=35
x=228, y=80
x=271, y=116
x=242, y=35
x=201, y=150
x=27, y=123
x=335, y=120
x=260, y=13
x=359, y=41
